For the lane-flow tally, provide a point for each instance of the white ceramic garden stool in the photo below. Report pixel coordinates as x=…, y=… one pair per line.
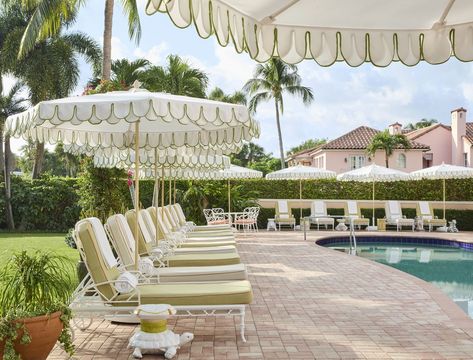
x=271, y=225
x=154, y=337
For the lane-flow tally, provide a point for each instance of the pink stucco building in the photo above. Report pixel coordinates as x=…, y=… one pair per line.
x=430, y=146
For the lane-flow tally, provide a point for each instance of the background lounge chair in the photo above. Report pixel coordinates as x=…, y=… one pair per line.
x=426, y=213
x=319, y=216
x=283, y=216
x=352, y=211
x=394, y=216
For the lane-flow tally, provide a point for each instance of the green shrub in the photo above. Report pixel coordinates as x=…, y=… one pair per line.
x=55, y=204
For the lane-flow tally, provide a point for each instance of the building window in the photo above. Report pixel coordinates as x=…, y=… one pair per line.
x=357, y=161
x=465, y=159
x=401, y=161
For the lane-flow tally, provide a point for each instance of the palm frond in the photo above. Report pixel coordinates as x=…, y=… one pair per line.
x=130, y=9
x=46, y=20
x=257, y=99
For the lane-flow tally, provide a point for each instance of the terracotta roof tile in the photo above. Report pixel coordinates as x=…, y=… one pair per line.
x=360, y=138
x=469, y=132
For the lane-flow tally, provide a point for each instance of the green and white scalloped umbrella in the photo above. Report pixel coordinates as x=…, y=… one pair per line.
x=373, y=173
x=327, y=31
x=301, y=172
x=136, y=119
x=443, y=172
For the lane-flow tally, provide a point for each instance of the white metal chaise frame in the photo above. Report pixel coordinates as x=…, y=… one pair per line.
x=88, y=302
x=397, y=219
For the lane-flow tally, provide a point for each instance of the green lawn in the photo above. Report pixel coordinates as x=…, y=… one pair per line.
x=11, y=243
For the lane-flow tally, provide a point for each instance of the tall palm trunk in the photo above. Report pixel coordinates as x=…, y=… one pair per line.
x=38, y=160
x=278, y=123
x=107, y=40
x=2, y=157
x=7, y=175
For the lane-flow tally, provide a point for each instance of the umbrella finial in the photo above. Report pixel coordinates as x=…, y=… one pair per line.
x=136, y=86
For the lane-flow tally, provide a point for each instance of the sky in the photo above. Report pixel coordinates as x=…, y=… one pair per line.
x=345, y=97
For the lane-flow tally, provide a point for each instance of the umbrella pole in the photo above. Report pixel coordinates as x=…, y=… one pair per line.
x=137, y=192
x=170, y=191
x=229, y=195
x=162, y=195
x=300, y=198
x=175, y=180
x=156, y=199
x=373, y=205
x=444, y=199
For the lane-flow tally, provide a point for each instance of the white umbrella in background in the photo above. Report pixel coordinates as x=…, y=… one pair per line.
x=235, y=172
x=136, y=119
x=443, y=172
x=327, y=31
x=166, y=164
x=301, y=172
x=374, y=173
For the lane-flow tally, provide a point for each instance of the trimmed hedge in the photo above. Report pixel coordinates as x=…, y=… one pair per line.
x=47, y=204
x=54, y=204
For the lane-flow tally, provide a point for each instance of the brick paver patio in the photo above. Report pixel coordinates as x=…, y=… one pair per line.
x=313, y=303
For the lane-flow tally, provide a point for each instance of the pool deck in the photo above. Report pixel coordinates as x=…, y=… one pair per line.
x=314, y=303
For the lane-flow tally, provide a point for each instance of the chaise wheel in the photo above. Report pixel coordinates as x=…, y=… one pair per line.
x=82, y=323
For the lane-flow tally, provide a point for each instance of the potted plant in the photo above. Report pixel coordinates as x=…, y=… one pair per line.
x=34, y=291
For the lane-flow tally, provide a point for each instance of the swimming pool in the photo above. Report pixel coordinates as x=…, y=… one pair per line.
x=443, y=263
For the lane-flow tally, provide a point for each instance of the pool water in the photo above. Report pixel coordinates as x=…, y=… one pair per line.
x=449, y=268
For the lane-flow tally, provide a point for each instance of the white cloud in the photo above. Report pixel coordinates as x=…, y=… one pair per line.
x=8, y=82
x=119, y=49
x=467, y=89
x=156, y=54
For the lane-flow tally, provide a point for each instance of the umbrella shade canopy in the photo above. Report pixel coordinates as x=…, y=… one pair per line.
x=235, y=172
x=373, y=173
x=107, y=120
x=126, y=158
x=443, y=171
x=301, y=172
x=379, y=31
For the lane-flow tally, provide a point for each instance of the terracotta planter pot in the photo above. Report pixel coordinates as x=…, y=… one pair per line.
x=44, y=332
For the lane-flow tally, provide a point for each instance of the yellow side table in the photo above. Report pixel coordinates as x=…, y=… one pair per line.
x=381, y=224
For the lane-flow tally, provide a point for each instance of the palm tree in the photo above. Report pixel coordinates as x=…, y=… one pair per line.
x=421, y=124
x=10, y=104
x=51, y=69
x=126, y=72
x=387, y=142
x=49, y=15
x=238, y=97
x=270, y=82
x=177, y=77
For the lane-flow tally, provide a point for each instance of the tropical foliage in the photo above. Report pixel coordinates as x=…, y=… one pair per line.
x=308, y=144
x=388, y=143
x=272, y=81
x=421, y=124
x=50, y=69
x=48, y=16
x=10, y=104
x=237, y=97
x=176, y=77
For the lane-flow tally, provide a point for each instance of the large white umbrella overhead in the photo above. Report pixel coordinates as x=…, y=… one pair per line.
x=379, y=31
x=443, y=172
x=135, y=119
x=301, y=172
x=373, y=173
x=109, y=120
